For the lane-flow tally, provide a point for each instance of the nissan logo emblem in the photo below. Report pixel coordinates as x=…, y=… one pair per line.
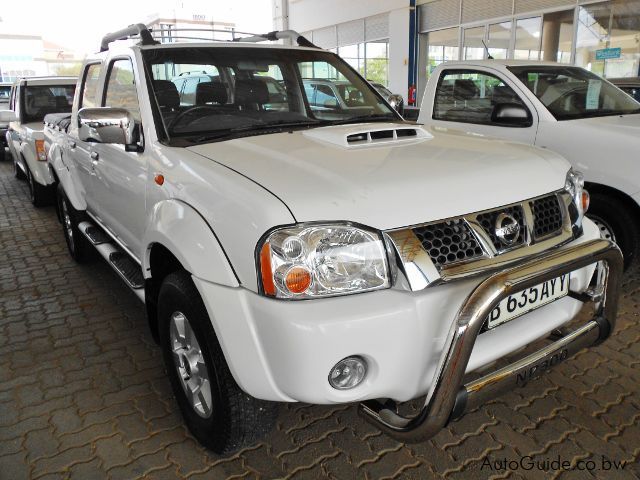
x=507, y=229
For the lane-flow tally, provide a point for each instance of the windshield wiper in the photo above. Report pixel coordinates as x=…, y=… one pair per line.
x=227, y=132
x=363, y=118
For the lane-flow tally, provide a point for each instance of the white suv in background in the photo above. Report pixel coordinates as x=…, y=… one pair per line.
x=31, y=99
x=566, y=109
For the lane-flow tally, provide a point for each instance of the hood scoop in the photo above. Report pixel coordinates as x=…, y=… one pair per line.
x=360, y=135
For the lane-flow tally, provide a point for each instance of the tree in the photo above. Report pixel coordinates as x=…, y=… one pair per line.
x=377, y=70
x=68, y=70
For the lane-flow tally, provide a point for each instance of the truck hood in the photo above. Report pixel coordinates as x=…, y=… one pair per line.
x=620, y=124
x=389, y=184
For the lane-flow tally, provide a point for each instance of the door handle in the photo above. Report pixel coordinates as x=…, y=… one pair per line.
x=95, y=158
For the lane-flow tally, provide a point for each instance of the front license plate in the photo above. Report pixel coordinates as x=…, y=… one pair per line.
x=527, y=300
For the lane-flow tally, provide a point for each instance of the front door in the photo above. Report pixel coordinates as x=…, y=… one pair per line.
x=121, y=176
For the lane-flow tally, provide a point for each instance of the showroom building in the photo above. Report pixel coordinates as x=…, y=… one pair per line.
x=399, y=42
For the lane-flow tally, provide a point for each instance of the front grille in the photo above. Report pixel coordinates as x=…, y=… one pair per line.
x=449, y=242
x=488, y=222
x=547, y=216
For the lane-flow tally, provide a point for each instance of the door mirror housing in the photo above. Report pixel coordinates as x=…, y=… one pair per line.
x=108, y=125
x=331, y=103
x=511, y=115
x=7, y=116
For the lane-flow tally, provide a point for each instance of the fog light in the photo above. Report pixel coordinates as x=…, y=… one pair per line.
x=348, y=373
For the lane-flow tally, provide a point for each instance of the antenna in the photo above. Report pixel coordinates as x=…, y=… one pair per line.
x=487, y=50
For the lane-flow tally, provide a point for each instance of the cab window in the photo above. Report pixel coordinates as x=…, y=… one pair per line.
x=469, y=96
x=89, y=97
x=121, y=88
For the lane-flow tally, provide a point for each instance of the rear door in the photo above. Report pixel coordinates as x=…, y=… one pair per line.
x=120, y=176
x=466, y=98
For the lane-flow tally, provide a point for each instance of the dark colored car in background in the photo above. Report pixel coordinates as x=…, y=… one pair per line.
x=630, y=85
x=394, y=99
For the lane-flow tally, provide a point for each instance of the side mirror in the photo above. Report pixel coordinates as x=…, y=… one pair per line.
x=331, y=103
x=108, y=125
x=511, y=115
x=395, y=101
x=7, y=116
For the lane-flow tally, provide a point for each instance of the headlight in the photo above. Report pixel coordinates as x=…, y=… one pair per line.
x=310, y=261
x=574, y=184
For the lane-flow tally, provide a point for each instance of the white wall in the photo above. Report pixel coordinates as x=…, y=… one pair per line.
x=312, y=14
x=305, y=15
x=399, y=51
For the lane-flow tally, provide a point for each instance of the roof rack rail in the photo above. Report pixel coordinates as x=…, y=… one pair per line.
x=131, y=31
x=149, y=36
x=279, y=35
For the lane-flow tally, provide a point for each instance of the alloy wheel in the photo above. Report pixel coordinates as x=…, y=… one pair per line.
x=189, y=362
x=68, y=225
x=606, y=231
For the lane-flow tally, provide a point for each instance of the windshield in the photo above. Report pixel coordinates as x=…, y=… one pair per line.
x=204, y=93
x=570, y=92
x=40, y=100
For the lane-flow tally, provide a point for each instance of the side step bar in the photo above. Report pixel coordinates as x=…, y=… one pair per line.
x=120, y=261
x=449, y=397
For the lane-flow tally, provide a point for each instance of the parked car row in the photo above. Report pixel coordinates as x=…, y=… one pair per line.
x=30, y=100
x=295, y=240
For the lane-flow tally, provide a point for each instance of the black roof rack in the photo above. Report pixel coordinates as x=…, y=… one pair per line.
x=131, y=31
x=151, y=37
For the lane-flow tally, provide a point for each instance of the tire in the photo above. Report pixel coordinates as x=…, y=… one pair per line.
x=17, y=171
x=617, y=222
x=2, y=153
x=39, y=195
x=223, y=418
x=78, y=245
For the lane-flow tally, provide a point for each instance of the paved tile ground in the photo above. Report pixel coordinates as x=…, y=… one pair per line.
x=83, y=394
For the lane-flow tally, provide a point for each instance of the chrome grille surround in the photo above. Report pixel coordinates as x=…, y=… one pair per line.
x=423, y=262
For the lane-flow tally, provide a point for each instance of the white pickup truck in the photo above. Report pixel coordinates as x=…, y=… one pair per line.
x=309, y=253
x=30, y=100
x=566, y=109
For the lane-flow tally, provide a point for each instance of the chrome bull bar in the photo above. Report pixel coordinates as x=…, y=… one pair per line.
x=449, y=397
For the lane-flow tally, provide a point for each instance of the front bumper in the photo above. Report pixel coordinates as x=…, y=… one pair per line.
x=284, y=350
x=449, y=396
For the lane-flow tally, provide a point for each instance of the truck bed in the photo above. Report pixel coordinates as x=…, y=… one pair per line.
x=58, y=121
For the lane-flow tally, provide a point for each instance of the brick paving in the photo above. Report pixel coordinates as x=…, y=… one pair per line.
x=83, y=394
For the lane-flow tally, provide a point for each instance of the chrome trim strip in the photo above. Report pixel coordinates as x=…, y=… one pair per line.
x=448, y=379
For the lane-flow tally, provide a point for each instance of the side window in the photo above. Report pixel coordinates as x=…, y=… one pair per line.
x=90, y=86
x=121, y=88
x=469, y=96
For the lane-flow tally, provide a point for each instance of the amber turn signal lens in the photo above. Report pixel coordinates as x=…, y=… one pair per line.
x=298, y=280
x=586, y=199
x=159, y=179
x=265, y=270
x=40, y=152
